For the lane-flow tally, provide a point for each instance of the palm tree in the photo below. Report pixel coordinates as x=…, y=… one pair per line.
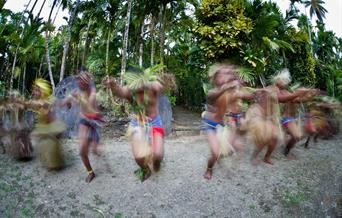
x=17, y=49
x=67, y=40
x=47, y=52
x=125, y=40
x=316, y=8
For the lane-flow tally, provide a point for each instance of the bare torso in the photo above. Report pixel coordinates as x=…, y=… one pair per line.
x=217, y=110
x=151, y=109
x=290, y=108
x=86, y=102
x=234, y=104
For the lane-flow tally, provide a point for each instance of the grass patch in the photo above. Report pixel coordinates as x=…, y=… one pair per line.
x=117, y=215
x=252, y=206
x=72, y=195
x=141, y=174
x=98, y=200
x=294, y=198
x=75, y=213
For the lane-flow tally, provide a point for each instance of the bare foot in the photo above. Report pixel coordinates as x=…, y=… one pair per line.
x=96, y=150
x=291, y=157
x=268, y=161
x=208, y=174
x=90, y=177
x=147, y=174
x=156, y=166
x=255, y=162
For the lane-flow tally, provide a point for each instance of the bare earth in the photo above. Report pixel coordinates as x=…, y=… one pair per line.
x=310, y=186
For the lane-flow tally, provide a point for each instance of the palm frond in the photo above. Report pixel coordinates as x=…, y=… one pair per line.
x=246, y=75
x=138, y=80
x=207, y=87
x=272, y=45
x=285, y=45
x=134, y=81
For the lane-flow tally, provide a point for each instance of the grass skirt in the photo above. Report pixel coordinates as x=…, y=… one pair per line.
x=48, y=147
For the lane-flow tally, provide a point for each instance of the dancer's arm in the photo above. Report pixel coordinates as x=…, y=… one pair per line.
x=120, y=91
x=287, y=96
x=215, y=93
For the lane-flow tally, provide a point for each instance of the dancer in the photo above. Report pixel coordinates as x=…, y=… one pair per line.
x=145, y=131
x=89, y=127
x=47, y=130
x=263, y=117
x=16, y=136
x=291, y=100
x=223, y=79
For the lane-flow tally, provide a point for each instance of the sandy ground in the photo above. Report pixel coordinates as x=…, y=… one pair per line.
x=310, y=186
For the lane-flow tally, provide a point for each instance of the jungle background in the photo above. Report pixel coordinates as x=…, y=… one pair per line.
x=187, y=36
x=110, y=37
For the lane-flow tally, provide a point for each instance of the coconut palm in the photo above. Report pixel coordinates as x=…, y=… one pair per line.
x=316, y=8
x=125, y=40
x=67, y=40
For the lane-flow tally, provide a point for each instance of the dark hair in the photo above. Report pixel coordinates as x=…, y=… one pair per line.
x=135, y=70
x=82, y=70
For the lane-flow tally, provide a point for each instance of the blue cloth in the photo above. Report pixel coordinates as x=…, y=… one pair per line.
x=236, y=118
x=286, y=120
x=94, y=126
x=156, y=122
x=209, y=125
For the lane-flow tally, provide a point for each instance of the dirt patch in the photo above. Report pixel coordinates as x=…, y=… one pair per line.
x=308, y=187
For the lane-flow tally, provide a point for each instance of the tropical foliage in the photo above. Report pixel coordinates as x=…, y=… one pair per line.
x=186, y=36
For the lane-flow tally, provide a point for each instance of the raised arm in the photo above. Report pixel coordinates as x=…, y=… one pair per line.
x=68, y=100
x=309, y=96
x=215, y=93
x=287, y=96
x=245, y=95
x=33, y=104
x=120, y=91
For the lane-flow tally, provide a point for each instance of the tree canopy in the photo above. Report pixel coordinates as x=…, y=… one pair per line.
x=108, y=36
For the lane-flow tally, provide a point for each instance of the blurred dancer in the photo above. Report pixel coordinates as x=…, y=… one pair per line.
x=224, y=80
x=145, y=131
x=47, y=130
x=89, y=127
x=291, y=100
x=264, y=115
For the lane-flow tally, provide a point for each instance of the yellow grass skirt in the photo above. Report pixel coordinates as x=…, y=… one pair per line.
x=48, y=147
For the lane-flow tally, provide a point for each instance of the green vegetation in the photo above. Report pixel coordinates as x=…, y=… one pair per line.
x=186, y=36
x=297, y=195
x=292, y=198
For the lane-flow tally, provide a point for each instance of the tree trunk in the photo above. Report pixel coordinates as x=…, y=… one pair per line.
x=152, y=40
x=47, y=53
x=13, y=67
x=141, y=46
x=2, y=3
x=40, y=67
x=86, y=45
x=47, y=50
x=41, y=8
x=67, y=41
x=52, y=7
x=107, y=52
x=34, y=5
x=309, y=32
x=77, y=57
x=17, y=49
x=59, y=7
x=125, y=41
x=24, y=78
x=262, y=81
x=161, y=33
